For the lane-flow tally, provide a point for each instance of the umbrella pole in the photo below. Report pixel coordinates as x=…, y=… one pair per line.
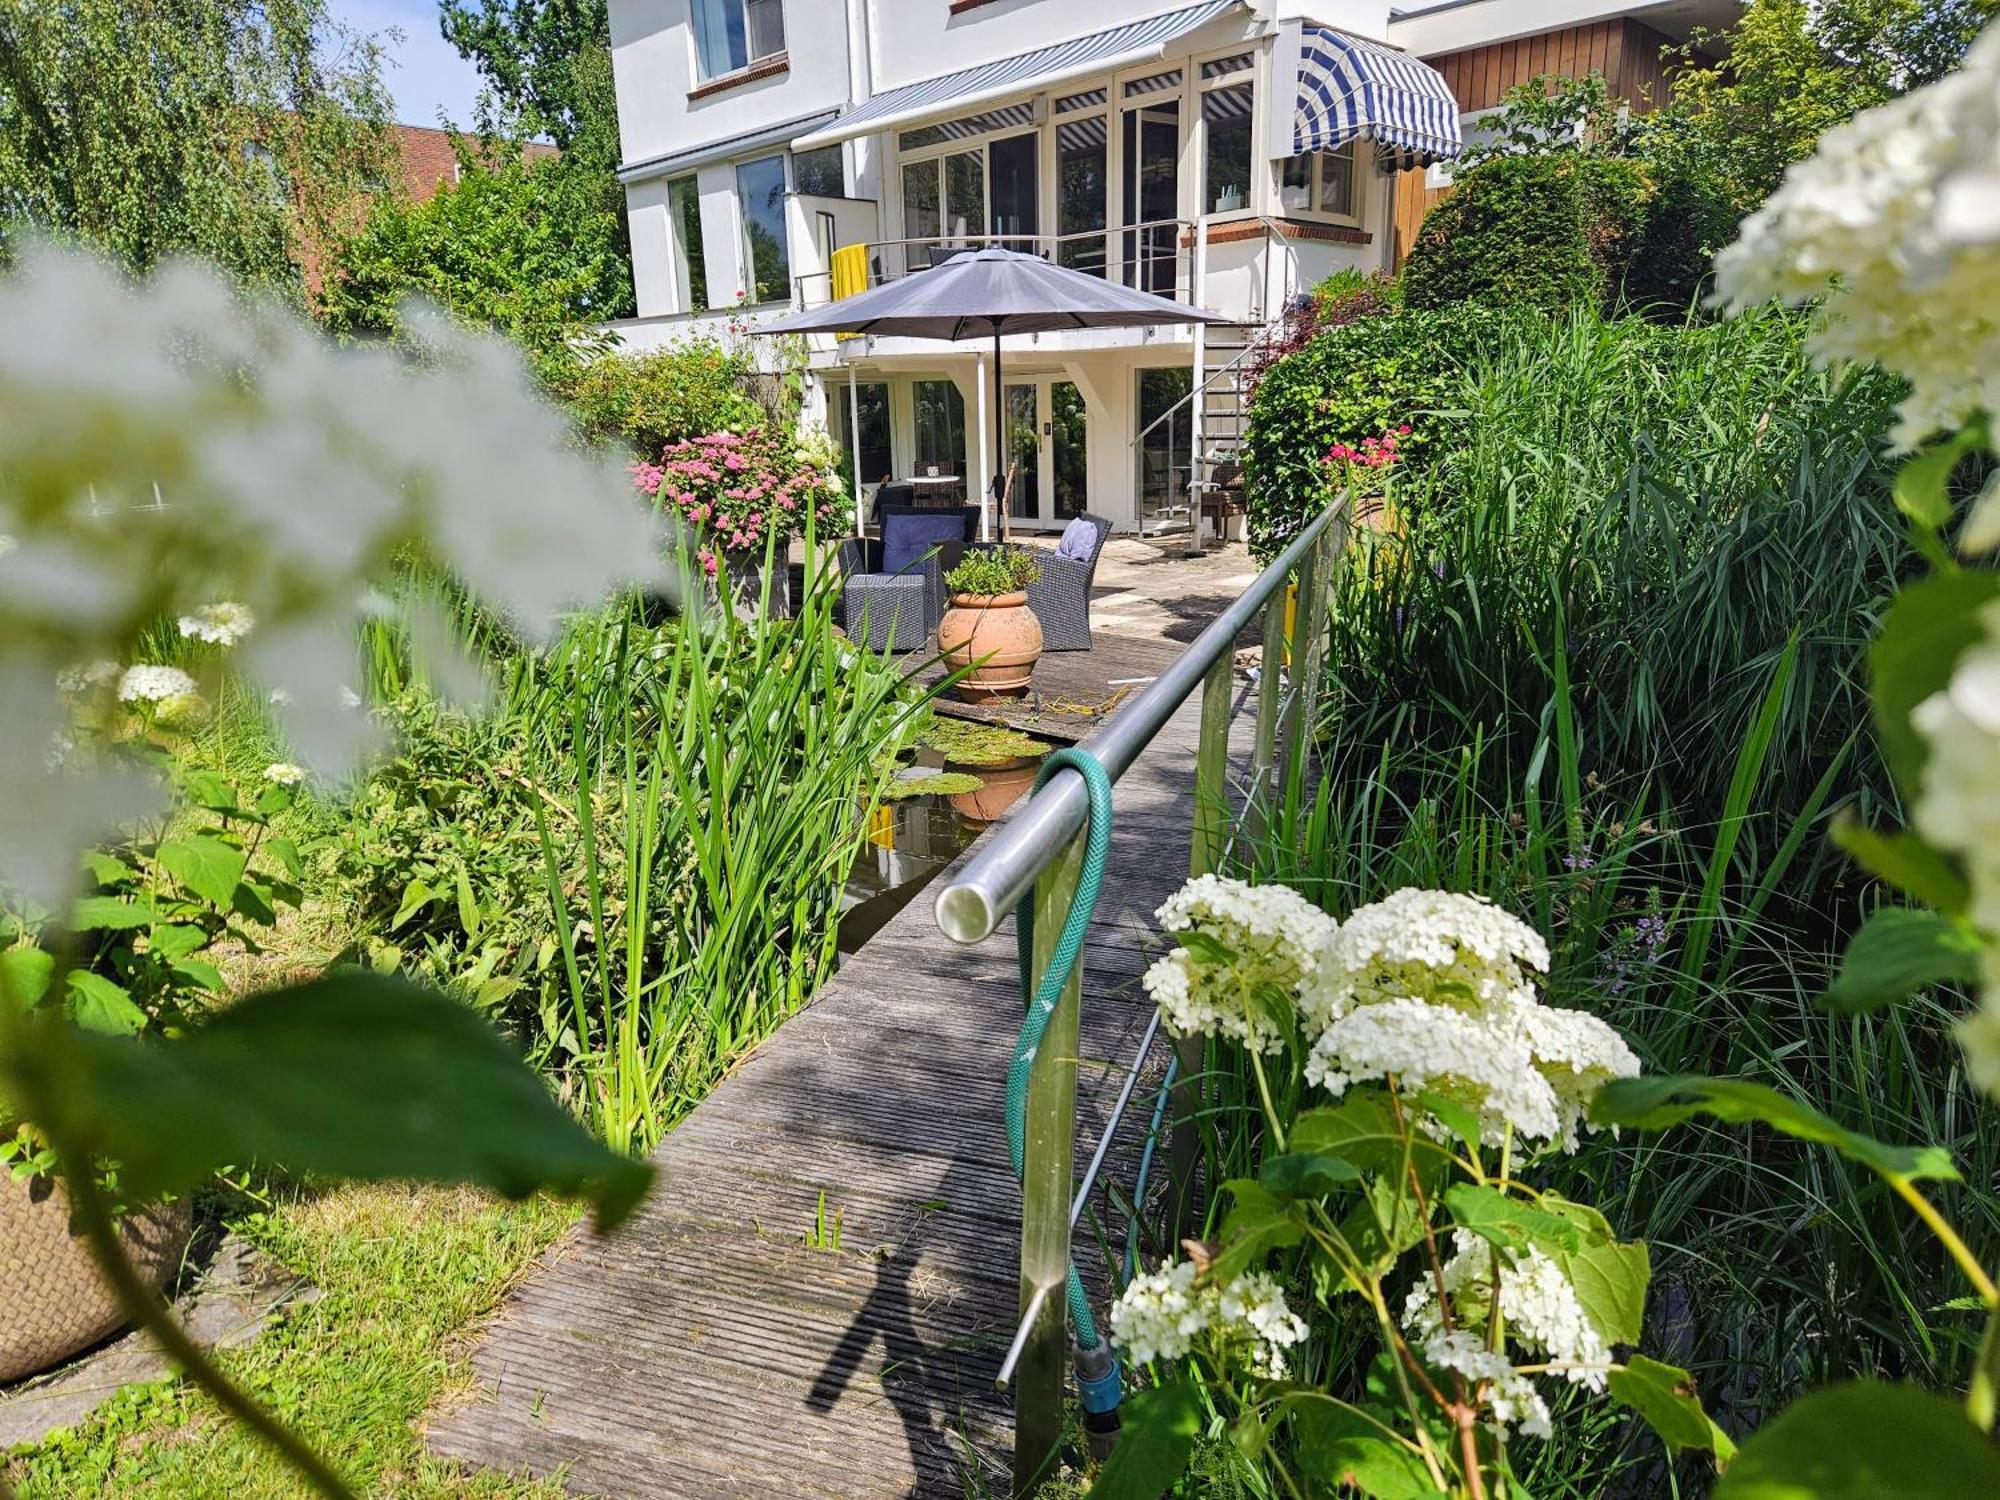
x=999, y=431
x=854, y=441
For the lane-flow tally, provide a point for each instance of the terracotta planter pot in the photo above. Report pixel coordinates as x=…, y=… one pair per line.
x=52, y=1301
x=1000, y=788
x=995, y=635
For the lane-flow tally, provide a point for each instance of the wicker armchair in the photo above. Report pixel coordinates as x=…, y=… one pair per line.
x=897, y=611
x=1060, y=598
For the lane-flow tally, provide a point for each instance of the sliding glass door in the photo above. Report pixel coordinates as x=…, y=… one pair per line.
x=1047, y=451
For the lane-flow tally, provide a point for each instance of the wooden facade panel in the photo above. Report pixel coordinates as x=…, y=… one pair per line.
x=1626, y=52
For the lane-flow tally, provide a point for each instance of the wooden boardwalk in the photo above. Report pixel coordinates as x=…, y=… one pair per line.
x=709, y=1349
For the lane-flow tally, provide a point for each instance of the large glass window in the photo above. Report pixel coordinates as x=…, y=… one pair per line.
x=1082, y=182
x=690, y=267
x=1016, y=211
x=1166, y=451
x=760, y=193
x=944, y=200
x=871, y=398
x=1227, y=160
x=732, y=34
x=965, y=195
x=821, y=173
x=940, y=426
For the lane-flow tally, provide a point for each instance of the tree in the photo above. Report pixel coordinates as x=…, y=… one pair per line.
x=1794, y=69
x=527, y=247
x=528, y=52
x=243, y=131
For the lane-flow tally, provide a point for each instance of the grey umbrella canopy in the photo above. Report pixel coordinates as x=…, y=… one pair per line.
x=987, y=294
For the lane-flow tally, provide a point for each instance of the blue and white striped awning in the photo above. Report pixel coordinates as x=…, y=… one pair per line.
x=954, y=93
x=1354, y=89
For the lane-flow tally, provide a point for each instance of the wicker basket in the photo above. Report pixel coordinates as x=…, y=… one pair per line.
x=52, y=1301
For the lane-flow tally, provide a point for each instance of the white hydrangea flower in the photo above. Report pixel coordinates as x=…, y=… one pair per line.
x=1273, y=936
x=1441, y=946
x=221, y=624
x=1979, y=1033
x=1577, y=1054
x=1479, y=1062
x=150, y=684
x=1538, y=1306
x=1510, y=1396
x=284, y=773
x=1894, y=220
x=142, y=424
x=1164, y=1313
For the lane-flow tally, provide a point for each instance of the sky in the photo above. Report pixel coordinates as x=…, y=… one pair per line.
x=422, y=71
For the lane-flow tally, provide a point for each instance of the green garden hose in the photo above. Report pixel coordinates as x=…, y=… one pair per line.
x=1096, y=1372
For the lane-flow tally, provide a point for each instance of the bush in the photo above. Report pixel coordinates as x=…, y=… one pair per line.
x=1347, y=383
x=993, y=572
x=652, y=401
x=1547, y=230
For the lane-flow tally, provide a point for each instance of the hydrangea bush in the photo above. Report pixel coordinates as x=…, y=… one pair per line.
x=744, y=490
x=1407, y=1074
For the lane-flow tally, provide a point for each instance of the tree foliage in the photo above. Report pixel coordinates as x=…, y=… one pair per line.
x=528, y=51
x=1795, y=68
x=243, y=131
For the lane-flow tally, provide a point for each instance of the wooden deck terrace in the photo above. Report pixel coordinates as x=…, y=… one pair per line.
x=718, y=1346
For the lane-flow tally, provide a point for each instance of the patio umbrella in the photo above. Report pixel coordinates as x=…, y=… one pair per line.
x=991, y=293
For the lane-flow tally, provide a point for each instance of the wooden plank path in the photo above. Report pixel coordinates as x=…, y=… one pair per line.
x=708, y=1349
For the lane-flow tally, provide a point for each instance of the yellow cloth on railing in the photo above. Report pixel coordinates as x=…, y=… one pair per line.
x=850, y=274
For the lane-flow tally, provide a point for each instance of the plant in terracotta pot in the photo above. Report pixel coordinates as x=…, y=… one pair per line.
x=989, y=635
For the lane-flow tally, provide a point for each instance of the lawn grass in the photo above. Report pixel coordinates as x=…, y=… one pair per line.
x=406, y=1275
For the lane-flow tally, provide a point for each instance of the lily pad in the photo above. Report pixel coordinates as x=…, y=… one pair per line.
x=966, y=742
x=928, y=781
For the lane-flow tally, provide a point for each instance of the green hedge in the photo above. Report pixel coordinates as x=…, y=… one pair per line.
x=1548, y=230
x=652, y=400
x=1347, y=383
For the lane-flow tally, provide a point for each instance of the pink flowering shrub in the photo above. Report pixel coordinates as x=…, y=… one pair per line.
x=742, y=489
x=1351, y=463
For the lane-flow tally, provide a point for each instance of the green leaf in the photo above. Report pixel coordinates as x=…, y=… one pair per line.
x=1610, y=1278
x=1339, y=1447
x=1258, y=1223
x=1206, y=949
x=199, y=971
x=275, y=799
x=98, y=1005
x=351, y=1075
x=1906, y=862
x=206, y=789
x=1156, y=1436
x=1665, y=1397
x=1922, y=488
x=177, y=941
x=1898, y=951
x=206, y=866
x=1361, y=1129
x=25, y=971
x=287, y=854
x=1656, y=1102
x=1455, y=1117
x=250, y=902
x=416, y=896
x=1865, y=1441
x=110, y=914
x=1923, y=633
x=1303, y=1174
x=1508, y=1222
x=105, y=869
x=1384, y=1225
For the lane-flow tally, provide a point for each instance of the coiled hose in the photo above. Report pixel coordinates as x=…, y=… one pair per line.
x=1097, y=1370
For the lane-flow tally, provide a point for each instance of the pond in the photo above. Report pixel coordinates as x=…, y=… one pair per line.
x=960, y=779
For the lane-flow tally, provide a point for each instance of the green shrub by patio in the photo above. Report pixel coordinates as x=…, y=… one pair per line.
x=648, y=402
x=1347, y=383
x=1547, y=230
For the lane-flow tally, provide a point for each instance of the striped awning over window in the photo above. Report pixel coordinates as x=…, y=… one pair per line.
x=1354, y=89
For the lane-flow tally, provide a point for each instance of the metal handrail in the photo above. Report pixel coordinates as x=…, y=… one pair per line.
x=1039, y=850
x=992, y=885
x=1042, y=244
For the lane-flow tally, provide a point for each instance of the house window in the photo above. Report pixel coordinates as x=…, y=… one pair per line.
x=1228, y=157
x=729, y=35
x=690, y=266
x=1321, y=182
x=940, y=412
x=944, y=202
x=760, y=195
x=821, y=173
x=1083, y=185
x=871, y=398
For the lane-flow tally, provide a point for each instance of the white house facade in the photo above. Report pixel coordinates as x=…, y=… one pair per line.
x=1227, y=153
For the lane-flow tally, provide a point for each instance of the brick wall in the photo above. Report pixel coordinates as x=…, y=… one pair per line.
x=430, y=161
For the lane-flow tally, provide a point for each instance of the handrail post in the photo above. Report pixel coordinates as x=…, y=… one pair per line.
x=1048, y=1174
x=1270, y=680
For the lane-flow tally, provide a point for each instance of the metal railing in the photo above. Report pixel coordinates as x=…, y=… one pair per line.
x=1038, y=851
x=1149, y=255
